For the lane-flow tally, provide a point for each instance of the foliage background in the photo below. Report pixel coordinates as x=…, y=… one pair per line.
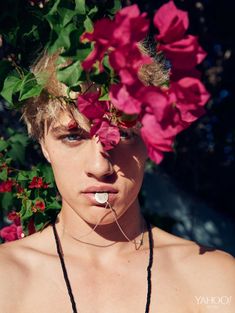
x=192, y=192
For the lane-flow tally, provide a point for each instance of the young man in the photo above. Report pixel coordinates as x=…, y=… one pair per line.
x=104, y=241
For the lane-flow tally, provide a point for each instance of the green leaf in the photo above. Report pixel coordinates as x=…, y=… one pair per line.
x=104, y=97
x=62, y=39
x=70, y=75
x=80, y=6
x=7, y=200
x=17, y=152
x=26, y=211
x=5, y=67
x=88, y=25
x=3, y=174
x=11, y=85
x=116, y=7
x=46, y=172
x=22, y=176
x=30, y=87
x=3, y=145
x=20, y=138
x=33, y=173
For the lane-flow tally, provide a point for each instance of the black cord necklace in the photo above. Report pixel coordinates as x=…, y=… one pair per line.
x=149, y=289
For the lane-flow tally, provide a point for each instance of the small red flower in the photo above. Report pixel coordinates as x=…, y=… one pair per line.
x=40, y=204
x=37, y=182
x=6, y=186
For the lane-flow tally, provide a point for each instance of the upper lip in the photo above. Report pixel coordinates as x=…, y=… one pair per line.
x=102, y=188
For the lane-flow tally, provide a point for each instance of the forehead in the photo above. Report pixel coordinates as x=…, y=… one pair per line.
x=65, y=121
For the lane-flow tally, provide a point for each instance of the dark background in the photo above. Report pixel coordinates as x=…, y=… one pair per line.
x=192, y=192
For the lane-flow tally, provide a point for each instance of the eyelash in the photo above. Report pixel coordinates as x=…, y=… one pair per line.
x=65, y=138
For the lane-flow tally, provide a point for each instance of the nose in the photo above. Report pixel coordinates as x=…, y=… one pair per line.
x=98, y=162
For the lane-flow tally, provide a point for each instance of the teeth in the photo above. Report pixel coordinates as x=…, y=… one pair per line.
x=101, y=197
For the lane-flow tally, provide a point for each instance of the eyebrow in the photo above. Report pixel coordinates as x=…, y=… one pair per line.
x=63, y=128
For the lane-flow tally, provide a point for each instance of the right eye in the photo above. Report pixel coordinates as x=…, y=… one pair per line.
x=72, y=137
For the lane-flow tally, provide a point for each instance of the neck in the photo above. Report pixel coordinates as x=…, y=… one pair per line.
x=78, y=237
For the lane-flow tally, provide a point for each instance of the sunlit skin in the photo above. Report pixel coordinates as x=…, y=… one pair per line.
x=78, y=162
x=107, y=272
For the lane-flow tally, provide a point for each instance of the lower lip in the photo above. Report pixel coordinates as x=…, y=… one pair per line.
x=91, y=197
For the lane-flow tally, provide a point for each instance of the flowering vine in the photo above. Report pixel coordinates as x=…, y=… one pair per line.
x=107, y=53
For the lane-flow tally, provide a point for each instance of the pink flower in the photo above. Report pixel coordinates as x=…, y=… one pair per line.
x=126, y=61
x=128, y=28
x=125, y=99
x=155, y=101
x=6, y=186
x=108, y=134
x=185, y=53
x=131, y=26
x=155, y=138
x=90, y=106
x=171, y=22
x=102, y=36
x=12, y=232
x=189, y=96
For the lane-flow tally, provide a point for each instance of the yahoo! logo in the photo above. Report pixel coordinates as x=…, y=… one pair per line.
x=213, y=300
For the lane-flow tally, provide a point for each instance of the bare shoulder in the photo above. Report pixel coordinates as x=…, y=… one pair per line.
x=18, y=258
x=207, y=272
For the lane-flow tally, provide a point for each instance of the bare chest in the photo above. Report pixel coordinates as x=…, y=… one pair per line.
x=122, y=288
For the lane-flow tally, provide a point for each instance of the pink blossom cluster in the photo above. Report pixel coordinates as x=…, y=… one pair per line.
x=163, y=112
x=14, y=231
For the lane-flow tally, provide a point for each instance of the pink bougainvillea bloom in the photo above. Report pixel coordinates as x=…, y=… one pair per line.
x=128, y=28
x=127, y=61
x=102, y=36
x=89, y=105
x=6, y=186
x=12, y=232
x=155, y=138
x=171, y=22
x=125, y=99
x=108, y=134
x=189, y=96
x=155, y=100
x=37, y=182
x=185, y=53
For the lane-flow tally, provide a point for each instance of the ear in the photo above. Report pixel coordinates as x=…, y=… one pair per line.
x=44, y=150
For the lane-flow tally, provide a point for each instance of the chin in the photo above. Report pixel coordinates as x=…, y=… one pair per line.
x=99, y=214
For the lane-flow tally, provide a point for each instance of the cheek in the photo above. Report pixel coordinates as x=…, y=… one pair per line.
x=130, y=159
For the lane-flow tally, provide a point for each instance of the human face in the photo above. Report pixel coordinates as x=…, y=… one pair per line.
x=80, y=162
